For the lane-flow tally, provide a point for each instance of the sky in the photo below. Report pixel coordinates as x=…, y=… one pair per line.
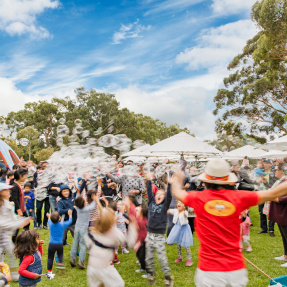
x=164, y=59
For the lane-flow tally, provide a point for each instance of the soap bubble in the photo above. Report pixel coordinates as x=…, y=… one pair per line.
x=85, y=134
x=62, y=130
x=60, y=141
x=138, y=143
x=24, y=141
x=78, y=122
x=124, y=143
x=110, y=129
x=98, y=131
x=72, y=138
x=91, y=141
x=108, y=140
x=78, y=130
x=62, y=121
x=131, y=170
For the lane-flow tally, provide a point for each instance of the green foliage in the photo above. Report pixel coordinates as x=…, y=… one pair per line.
x=44, y=154
x=255, y=96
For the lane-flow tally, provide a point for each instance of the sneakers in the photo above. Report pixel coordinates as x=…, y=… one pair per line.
x=151, y=279
x=188, y=263
x=46, y=227
x=60, y=266
x=137, y=262
x=262, y=231
x=116, y=261
x=168, y=281
x=40, y=227
x=272, y=234
x=145, y=276
x=281, y=258
x=140, y=270
x=73, y=262
x=248, y=248
x=284, y=265
x=178, y=260
x=81, y=265
x=125, y=251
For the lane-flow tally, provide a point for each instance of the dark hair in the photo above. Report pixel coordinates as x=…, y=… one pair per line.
x=144, y=210
x=113, y=205
x=28, y=184
x=120, y=161
x=39, y=166
x=20, y=173
x=282, y=166
x=26, y=243
x=10, y=173
x=80, y=202
x=16, y=166
x=214, y=186
x=3, y=173
x=89, y=196
x=55, y=216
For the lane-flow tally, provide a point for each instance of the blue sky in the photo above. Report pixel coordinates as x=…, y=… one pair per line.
x=165, y=58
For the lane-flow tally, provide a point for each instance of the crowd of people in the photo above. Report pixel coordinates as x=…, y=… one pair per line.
x=144, y=211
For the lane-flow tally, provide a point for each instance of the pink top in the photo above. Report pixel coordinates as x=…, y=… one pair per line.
x=245, y=226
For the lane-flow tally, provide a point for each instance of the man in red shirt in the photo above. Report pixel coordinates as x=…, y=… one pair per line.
x=217, y=223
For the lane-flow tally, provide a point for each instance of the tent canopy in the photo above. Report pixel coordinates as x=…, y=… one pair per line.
x=137, y=151
x=246, y=150
x=182, y=144
x=277, y=144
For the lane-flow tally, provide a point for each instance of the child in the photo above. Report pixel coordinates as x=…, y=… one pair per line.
x=259, y=170
x=30, y=201
x=9, y=223
x=101, y=242
x=157, y=220
x=29, y=250
x=56, y=238
x=10, y=176
x=81, y=228
x=246, y=222
x=65, y=204
x=5, y=276
x=141, y=218
x=181, y=233
x=121, y=223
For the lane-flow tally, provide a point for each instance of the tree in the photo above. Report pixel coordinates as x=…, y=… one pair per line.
x=254, y=98
x=43, y=154
x=31, y=135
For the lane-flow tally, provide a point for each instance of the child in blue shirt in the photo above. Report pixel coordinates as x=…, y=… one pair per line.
x=56, y=238
x=30, y=201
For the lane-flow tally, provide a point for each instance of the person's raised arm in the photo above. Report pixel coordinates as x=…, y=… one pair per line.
x=117, y=179
x=176, y=183
x=150, y=195
x=272, y=194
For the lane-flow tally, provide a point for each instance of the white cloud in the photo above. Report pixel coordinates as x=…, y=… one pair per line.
x=231, y=6
x=132, y=30
x=217, y=46
x=18, y=17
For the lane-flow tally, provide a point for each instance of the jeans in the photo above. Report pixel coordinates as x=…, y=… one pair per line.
x=39, y=206
x=52, y=249
x=79, y=241
x=53, y=202
x=263, y=220
x=32, y=214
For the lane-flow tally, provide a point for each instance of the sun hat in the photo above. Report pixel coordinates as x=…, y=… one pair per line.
x=4, y=186
x=217, y=171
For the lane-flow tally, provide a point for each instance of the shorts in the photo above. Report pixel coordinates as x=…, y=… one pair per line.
x=238, y=278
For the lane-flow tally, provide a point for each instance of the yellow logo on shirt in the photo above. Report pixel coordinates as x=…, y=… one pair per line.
x=219, y=208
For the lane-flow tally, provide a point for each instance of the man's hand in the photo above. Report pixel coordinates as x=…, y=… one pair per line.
x=150, y=176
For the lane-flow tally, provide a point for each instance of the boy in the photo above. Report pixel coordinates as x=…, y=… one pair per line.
x=157, y=220
x=5, y=276
x=65, y=204
x=56, y=238
x=30, y=201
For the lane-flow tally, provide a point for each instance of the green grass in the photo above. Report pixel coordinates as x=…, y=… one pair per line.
x=264, y=247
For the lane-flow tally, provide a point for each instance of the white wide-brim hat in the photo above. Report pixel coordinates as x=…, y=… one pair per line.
x=4, y=186
x=217, y=171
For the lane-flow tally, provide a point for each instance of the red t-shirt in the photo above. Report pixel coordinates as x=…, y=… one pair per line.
x=218, y=226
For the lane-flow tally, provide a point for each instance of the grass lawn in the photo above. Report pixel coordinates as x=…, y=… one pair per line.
x=264, y=247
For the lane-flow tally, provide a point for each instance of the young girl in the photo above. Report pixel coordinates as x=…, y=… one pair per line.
x=181, y=232
x=101, y=241
x=246, y=222
x=28, y=249
x=121, y=223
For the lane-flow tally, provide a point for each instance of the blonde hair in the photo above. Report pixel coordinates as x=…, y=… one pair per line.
x=105, y=222
x=178, y=201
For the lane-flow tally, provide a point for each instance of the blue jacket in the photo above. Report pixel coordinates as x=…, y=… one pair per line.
x=64, y=204
x=29, y=200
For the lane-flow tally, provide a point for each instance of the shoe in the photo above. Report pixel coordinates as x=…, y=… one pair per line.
x=151, y=279
x=140, y=270
x=125, y=251
x=60, y=266
x=137, y=262
x=272, y=234
x=248, y=248
x=284, y=265
x=145, y=276
x=168, y=281
x=281, y=258
x=14, y=276
x=73, y=262
x=57, y=259
x=81, y=265
x=188, y=263
x=66, y=244
x=39, y=227
x=178, y=260
x=116, y=261
x=46, y=227
x=262, y=231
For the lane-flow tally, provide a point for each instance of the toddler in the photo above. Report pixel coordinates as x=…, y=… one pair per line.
x=246, y=222
x=30, y=201
x=121, y=221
